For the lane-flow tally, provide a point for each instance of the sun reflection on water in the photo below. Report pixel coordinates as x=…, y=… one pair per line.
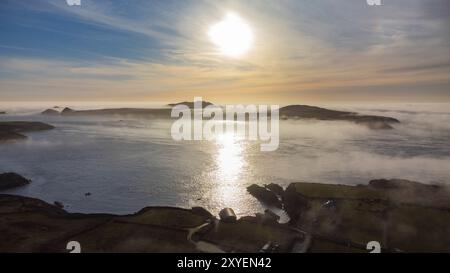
x=230, y=164
x=229, y=159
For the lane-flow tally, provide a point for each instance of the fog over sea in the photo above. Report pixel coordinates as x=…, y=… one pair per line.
x=128, y=163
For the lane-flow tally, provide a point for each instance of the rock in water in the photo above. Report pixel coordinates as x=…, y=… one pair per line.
x=12, y=180
x=264, y=195
x=227, y=215
x=275, y=188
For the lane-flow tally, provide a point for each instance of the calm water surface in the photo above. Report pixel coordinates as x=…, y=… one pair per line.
x=129, y=163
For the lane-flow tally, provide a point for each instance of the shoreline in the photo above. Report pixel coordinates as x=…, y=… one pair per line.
x=324, y=218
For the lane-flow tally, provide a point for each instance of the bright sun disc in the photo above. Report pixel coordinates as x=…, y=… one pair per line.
x=232, y=36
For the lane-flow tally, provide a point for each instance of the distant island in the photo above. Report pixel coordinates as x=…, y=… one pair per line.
x=139, y=112
x=402, y=215
x=50, y=112
x=313, y=112
x=190, y=104
x=13, y=130
x=287, y=112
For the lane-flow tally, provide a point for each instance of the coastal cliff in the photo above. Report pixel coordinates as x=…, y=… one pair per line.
x=402, y=215
x=32, y=225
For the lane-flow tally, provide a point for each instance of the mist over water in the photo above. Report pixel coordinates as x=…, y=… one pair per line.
x=129, y=163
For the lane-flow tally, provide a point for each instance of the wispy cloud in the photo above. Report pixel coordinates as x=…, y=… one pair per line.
x=302, y=49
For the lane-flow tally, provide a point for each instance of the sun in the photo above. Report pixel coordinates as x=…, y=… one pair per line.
x=232, y=36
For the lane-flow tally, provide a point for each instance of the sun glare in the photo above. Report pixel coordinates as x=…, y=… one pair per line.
x=232, y=36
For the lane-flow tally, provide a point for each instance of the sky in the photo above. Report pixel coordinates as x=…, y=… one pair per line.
x=322, y=50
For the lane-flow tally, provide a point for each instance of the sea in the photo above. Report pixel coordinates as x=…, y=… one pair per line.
x=126, y=163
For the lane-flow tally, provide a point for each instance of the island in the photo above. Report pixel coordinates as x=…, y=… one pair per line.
x=288, y=112
x=13, y=130
x=137, y=112
x=317, y=113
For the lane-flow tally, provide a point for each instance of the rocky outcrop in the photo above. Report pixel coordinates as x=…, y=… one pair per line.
x=12, y=130
x=264, y=195
x=337, y=218
x=12, y=180
x=268, y=217
x=394, y=212
x=412, y=192
x=50, y=112
x=67, y=111
x=389, y=184
x=202, y=212
x=31, y=225
x=313, y=112
x=294, y=203
x=275, y=188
